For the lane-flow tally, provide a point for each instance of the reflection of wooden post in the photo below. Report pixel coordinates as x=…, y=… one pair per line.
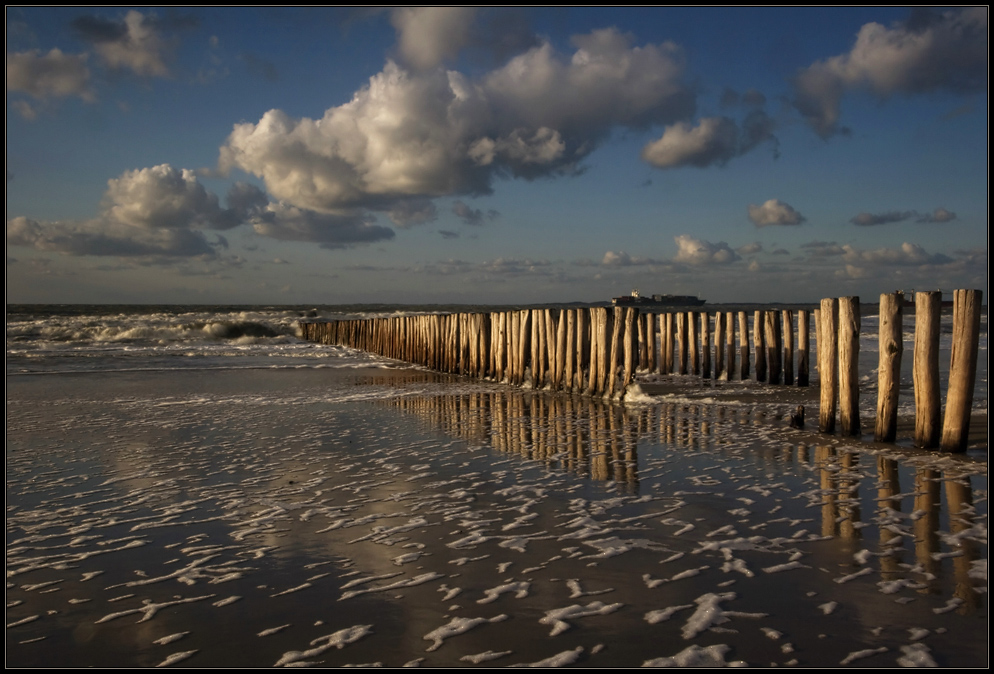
x=759, y=344
x=962, y=369
x=849, y=323
x=891, y=342
x=705, y=345
x=730, y=344
x=803, y=347
x=719, y=346
x=695, y=363
x=828, y=363
x=788, y=347
x=928, y=306
x=743, y=346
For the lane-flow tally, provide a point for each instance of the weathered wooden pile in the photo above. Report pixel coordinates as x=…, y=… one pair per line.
x=597, y=351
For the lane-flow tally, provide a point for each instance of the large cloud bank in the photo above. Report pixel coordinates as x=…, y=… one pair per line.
x=412, y=134
x=927, y=53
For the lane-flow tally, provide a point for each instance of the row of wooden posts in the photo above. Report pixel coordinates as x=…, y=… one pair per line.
x=597, y=351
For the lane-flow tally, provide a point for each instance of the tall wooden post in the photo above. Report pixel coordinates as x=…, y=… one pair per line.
x=695, y=363
x=891, y=341
x=803, y=348
x=828, y=363
x=571, y=349
x=743, y=346
x=849, y=324
x=681, y=342
x=617, y=325
x=719, y=346
x=651, y=356
x=928, y=306
x=759, y=344
x=773, y=347
x=788, y=347
x=730, y=344
x=962, y=370
x=705, y=345
x=631, y=346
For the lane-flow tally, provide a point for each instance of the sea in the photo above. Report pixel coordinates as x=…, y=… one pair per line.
x=197, y=486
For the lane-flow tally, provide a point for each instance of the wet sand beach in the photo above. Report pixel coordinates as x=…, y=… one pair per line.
x=262, y=517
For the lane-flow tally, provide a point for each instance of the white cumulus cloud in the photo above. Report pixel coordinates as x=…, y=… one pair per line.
x=697, y=252
x=774, y=212
x=434, y=133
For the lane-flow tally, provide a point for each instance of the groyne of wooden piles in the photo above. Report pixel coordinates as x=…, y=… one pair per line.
x=597, y=351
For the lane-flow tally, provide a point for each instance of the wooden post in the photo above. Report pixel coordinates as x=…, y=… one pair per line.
x=650, y=343
x=759, y=344
x=891, y=341
x=583, y=330
x=743, y=346
x=849, y=324
x=828, y=364
x=570, y=353
x=695, y=363
x=772, y=347
x=669, y=344
x=803, y=348
x=730, y=344
x=603, y=349
x=962, y=370
x=560, y=366
x=928, y=306
x=705, y=345
x=719, y=346
x=681, y=343
x=617, y=324
x=788, y=347
x=631, y=345
x=643, y=350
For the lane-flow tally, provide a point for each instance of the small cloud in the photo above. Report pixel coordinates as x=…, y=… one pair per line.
x=774, y=212
x=750, y=248
x=698, y=252
x=938, y=215
x=410, y=212
x=714, y=141
x=52, y=75
x=138, y=42
x=446, y=234
x=822, y=248
x=870, y=219
x=472, y=216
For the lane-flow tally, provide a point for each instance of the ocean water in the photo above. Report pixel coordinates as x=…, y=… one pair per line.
x=197, y=486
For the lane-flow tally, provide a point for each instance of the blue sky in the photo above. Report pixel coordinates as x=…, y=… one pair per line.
x=493, y=155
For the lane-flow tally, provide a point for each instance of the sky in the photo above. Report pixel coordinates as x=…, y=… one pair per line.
x=458, y=155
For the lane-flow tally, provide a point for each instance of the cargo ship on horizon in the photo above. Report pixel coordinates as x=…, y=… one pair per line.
x=637, y=300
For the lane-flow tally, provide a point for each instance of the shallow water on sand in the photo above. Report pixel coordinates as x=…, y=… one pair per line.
x=256, y=517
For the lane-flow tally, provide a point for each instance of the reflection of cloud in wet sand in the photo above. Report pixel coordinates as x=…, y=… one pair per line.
x=502, y=526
